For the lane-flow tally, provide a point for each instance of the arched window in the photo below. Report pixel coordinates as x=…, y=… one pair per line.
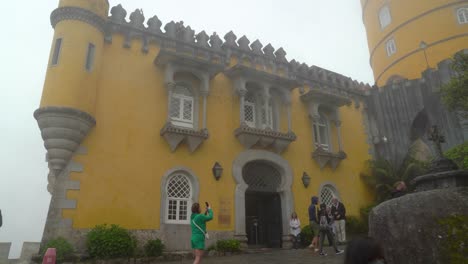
x=462, y=15
x=327, y=193
x=249, y=110
x=321, y=133
x=391, y=47
x=179, y=198
x=182, y=106
x=385, y=17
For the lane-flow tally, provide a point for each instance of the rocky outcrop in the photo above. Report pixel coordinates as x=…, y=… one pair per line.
x=408, y=227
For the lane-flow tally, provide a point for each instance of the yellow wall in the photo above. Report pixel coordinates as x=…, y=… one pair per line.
x=432, y=21
x=126, y=157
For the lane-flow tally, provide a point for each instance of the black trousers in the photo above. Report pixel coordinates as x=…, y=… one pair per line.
x=329, y=233
x=296, y=240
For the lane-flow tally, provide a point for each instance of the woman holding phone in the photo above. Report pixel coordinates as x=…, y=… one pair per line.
x=198, y=224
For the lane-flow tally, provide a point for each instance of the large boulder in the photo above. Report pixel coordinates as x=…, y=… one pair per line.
x=408, y=226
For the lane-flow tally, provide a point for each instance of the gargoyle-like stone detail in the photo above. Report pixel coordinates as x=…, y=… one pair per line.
x=137, y=18
x=62, y=129
x=176, y=135
x=265, y=138
x=323, y=157
x=154, y=24
x=118, y=14
x=244, y=43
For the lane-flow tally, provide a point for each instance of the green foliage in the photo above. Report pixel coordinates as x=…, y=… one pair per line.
x=63, y=248
x=455, y=93
x=228, y=245
x=454, y=244
x=306, y=235
x=154, y=248
x=383, y=174
x=459, y=155
x=113, y=241
x=365, y=211
x=356, y=226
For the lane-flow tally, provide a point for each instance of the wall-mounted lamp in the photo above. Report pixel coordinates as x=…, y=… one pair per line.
x=217, y=171
x=305, y=179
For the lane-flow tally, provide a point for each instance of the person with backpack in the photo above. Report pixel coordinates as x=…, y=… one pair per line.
x=199, y=234
x=325, y=222
x=313, y=222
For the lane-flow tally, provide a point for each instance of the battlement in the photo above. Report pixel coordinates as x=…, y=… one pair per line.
x=176, y=34
x=28, y=250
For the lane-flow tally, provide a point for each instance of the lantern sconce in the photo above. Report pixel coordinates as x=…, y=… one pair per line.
x=217, y=171
x=305, y=179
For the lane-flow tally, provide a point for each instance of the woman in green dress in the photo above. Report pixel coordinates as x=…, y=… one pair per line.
x=198, y=224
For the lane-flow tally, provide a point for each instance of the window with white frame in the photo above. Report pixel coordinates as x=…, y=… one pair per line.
x=321, y=132
x=462, y=14
x=182, y=107
x=384, y=17
x=179, y=197
x=249, y=110
x=326, y=194
x=391, y=47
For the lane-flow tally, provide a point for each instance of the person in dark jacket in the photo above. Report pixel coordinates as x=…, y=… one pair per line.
x=313, y=222
x=338, y=211
x=325, y=221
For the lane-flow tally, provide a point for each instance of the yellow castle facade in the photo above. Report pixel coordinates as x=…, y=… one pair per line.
x=140, y=122
x=408, y=37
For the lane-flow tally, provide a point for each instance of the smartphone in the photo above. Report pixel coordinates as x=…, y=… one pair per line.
x=206, y=203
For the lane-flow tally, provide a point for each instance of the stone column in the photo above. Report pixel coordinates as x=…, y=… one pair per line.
x=242, y=93
x=312, y=119
x=338, y=131
x=205, y=95
x=266, y=98
x=287, y=102
x=170, y=87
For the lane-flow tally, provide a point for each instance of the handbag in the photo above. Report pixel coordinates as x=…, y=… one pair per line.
x=207, y=236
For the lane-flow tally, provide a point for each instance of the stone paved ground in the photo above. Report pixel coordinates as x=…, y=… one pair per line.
x=272, y=257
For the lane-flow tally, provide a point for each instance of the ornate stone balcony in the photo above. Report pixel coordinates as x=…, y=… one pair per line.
x=324, y=157
x=176, y=135
x=265, y=138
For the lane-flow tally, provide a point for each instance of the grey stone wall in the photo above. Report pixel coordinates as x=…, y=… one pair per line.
x=29, y=249
x=404, y=110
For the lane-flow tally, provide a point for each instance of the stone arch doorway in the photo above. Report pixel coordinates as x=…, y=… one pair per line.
x=263, y=179
x=262, y=204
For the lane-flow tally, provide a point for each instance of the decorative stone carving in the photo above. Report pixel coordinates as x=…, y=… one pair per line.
x=62, y=129
x=216, y=42
x=154, y=25
x=281, y=55
x=244, y=43
x=76, y=13
x=176, y=135
x=202, y=39
x=257, y=47
x=118, y=14
x=170, y=29
x=268, y=51
x=265, y=138
x=230, y=39
x=137, y=18
x=323, y=157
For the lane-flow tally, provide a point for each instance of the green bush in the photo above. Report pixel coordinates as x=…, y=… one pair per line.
x=306, y=235
x=454, y=245
x=63, y=248
x=112, y=241
x=228, y=245
x=459, y=155
x=355, y=225
x=154, y=248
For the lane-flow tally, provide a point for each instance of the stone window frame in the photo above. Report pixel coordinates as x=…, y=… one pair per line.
x=90, y=55
x=385, y=17
x=55, y=59
x=195, y=192
x=330, y=186
x=194, y=98
x=272, y=120
x=390, y=47
x=317, y=135
x=462, y=15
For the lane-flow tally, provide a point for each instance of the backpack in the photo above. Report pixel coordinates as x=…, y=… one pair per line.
x=323, y=222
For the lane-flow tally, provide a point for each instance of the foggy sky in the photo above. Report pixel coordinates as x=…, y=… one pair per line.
x=328, y=33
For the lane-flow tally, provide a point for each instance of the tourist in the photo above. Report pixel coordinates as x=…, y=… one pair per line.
x=364, y=251
x=313, y=222
x=325, y=230
x=198, y=224
x=295, y=229
x=400, y=189
x=339, y=215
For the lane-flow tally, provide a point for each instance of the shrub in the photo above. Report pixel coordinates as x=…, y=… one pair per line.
x=228, y=245
x=459, y=155
x=454, y=245
x=112, y=241
x=63, y=248
x=154, y=248
x=355, y=225
x=306, y=235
